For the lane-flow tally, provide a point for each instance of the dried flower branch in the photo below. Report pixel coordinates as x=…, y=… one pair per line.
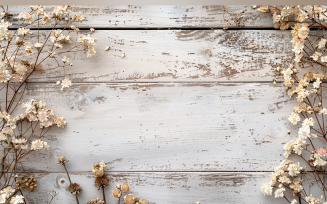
x=309, y=48
x=73, y=188
x=23, y=53
x=53, y=195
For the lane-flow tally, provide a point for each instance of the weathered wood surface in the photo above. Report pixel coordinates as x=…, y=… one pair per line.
x=166, y=127
x=161, y=188
x=175, y=56
x=164, y=16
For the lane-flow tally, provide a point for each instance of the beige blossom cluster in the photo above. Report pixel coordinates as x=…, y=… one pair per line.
x=14, y=66
x=309, y=116
x=7, y=195
x=308, y=46
x=35, y=112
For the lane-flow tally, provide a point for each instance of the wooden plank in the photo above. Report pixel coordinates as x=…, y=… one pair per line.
x=177, y=56
x=161, y=188
x=164, y=16
x=166, y=127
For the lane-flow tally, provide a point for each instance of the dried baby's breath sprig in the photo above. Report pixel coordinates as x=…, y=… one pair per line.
x=53, y=195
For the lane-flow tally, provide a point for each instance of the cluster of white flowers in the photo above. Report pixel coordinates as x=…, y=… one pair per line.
x=19, y=143
x=300, y=90
x=312, y=200
x=294, y=118
x=5, y=34
x=58, y=38
x=66, y=83
x=299, y=34
x=286, y=175
x=300, y=31
x=35, y=112
x=60, y=11
x=294, y=145
x=37, y=144
x=88, y=42
x=287, y=74
x=304, y=131
x=6, y=196
x=5, y=71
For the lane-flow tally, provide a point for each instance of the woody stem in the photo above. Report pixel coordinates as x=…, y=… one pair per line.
x=71, y=185
x=104, y=197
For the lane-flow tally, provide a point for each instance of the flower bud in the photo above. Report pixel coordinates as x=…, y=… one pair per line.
x=116, y=193
x=98, y=169
x=125, y=187
x=129, y=199
x=143, y=201
x=61, y=159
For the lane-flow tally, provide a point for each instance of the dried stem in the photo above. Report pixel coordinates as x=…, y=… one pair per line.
x=71, y=185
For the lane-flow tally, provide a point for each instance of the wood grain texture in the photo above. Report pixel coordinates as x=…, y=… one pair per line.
x=166, y=127
x=177, y=56
x=165, y=16
x=162, y=188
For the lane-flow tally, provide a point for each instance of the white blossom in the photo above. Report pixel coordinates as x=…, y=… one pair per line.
x=322, y=43
x=17, y=199
x=37, y=144
x=294, y=118
x=267, y=189
x=279, y=192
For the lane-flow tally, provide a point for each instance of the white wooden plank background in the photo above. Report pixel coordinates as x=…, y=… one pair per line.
x=157, y=117
x=175, y=56
x=166, y=127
